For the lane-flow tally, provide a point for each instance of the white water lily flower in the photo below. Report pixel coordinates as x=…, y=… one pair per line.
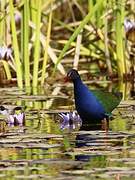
x=5, y=53
x=19, y=118
x=12, y=116
x=70, y=120
x=129, y=24
x=10, y=119
x=16, y=119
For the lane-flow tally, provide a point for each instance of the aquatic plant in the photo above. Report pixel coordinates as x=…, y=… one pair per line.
x=70, y=120
x=44, y=39
x=12, y=117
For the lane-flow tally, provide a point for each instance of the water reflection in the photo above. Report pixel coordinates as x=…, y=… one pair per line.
x=84, y=139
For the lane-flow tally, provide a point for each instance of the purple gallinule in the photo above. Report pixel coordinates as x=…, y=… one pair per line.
x=89, y=106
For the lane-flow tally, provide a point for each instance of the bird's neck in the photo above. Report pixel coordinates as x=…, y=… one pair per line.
x=77, y=82
x=78, y=87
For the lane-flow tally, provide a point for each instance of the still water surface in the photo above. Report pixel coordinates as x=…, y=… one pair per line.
x=41, y=150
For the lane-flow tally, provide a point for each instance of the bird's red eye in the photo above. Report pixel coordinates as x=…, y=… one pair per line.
x=66, y=79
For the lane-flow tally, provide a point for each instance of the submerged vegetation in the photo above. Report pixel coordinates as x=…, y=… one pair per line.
x=48, y=37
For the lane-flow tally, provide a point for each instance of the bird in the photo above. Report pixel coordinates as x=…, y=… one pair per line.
x=88, y=104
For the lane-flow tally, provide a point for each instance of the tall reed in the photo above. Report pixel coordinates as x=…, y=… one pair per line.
x=120, y=12
x=16, y=47
x=106, y=41
x=37, y=44
x=77, y=31
x=3, y=36
x=2, y=22
x=46, y=49
x=25, y=41
x=99, y=41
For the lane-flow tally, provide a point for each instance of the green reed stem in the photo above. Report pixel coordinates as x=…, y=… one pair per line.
x=119, y=38
x=15, y=46
x=90, y=5
x=106, y=42
x=7, y=70
x=2, y=37
x=37, y=45
x=2, y=23
x=46, y=49
x=77, y=31
x=33, y=8
x=26, y=44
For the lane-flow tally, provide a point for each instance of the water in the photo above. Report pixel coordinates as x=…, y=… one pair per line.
x=40, y=150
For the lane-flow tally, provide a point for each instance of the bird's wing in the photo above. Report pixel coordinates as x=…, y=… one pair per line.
x=109, y=100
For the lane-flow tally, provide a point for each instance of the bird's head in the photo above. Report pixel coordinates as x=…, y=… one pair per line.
x=72, y=75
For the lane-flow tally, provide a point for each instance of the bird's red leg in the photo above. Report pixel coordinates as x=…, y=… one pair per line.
x=104, y=126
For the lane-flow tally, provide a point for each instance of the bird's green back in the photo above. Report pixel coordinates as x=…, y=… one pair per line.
x=109, y=100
